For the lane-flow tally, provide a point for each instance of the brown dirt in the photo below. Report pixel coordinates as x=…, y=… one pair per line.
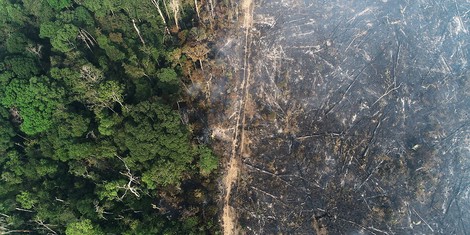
x=229, y=216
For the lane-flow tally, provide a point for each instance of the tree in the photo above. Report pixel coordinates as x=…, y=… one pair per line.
x=154, y=133
x=90, y=137
x=7, y=132
x=26, y=200
x=59, y=4
x=78, y=83
x=197, y=53
x=62, y=36
x=16, y=43
x=12, y=13
x=175, y=8
x=109, y=92
x=168, y=81
x=108, y=122
x=163, y=173
x=207, y=161
x=13, y=172
x=88, y=87
x=41, y=10
x=110, y=190
x=36, y=100
x=83, y=18
x=22, y=67
x=111, y=51
x=92, y=5
x=83, y=227
x=70, y=124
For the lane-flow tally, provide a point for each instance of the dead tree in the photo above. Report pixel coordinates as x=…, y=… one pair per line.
x=130, y=186
x=87, y=38
x=197, y=53
x=100, y=210
x=156, y=4
x=197, y=9
x=35, y=49
x=45, y=226
x=166, y=9
x=211, y=4
x=175, y=8
x=138, y=32
x=4, y=226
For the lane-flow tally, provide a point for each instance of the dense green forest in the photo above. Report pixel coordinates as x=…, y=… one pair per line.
x=93, y=137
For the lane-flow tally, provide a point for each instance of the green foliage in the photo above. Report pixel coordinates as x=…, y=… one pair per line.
x=22, y=67
x=46, y=167
x=134, y=71
x=71, y=124
x=87, y=86
x=82, y=227
x=26, y=200
x=59, y=4
x=108, y=122
x=154, y=130
x=112, y=52
x=109, y=190
x=6, y=132
x=92, y=5
x=16, y=43
x=168, y=81
x=208, y=162
x=40, y=9
x=66, y=17
x=5, y=78
x=154, y=133
x=36, y=101
x=77, y=87
x=108, y=93
x=12, y=12
x=90, y=139
x=48, y=29
x=83, y=17
x=164, y=173
x=143, y=89
x=62, y=36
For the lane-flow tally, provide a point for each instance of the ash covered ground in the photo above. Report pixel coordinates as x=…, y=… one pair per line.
x=348, y=117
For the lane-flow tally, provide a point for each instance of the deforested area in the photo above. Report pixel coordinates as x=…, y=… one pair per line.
x=345, y=117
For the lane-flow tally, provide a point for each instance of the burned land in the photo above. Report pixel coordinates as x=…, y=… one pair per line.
x=345, y=117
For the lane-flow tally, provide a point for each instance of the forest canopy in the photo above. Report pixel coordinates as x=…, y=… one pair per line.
x=93, y=139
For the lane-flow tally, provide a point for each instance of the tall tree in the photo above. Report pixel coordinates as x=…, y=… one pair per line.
x=6, y=132
x=36, y=100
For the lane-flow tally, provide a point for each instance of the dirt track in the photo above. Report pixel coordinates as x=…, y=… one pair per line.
x=229, y=214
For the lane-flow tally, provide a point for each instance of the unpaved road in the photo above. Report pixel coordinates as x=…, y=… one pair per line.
x=229, y=215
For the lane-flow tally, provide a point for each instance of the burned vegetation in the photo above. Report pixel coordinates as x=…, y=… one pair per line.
x=346, y=118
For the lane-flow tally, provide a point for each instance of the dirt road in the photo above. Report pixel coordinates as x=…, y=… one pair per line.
x=229, y=216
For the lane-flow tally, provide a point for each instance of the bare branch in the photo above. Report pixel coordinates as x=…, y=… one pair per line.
x=175, y=7
x=155, y=3
x=138, y=32
x=197, y=9
x=46, y=226
x=25, y=210
x=432, y=230
x=386, y=93
x=132, y=180
x=368, y=177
